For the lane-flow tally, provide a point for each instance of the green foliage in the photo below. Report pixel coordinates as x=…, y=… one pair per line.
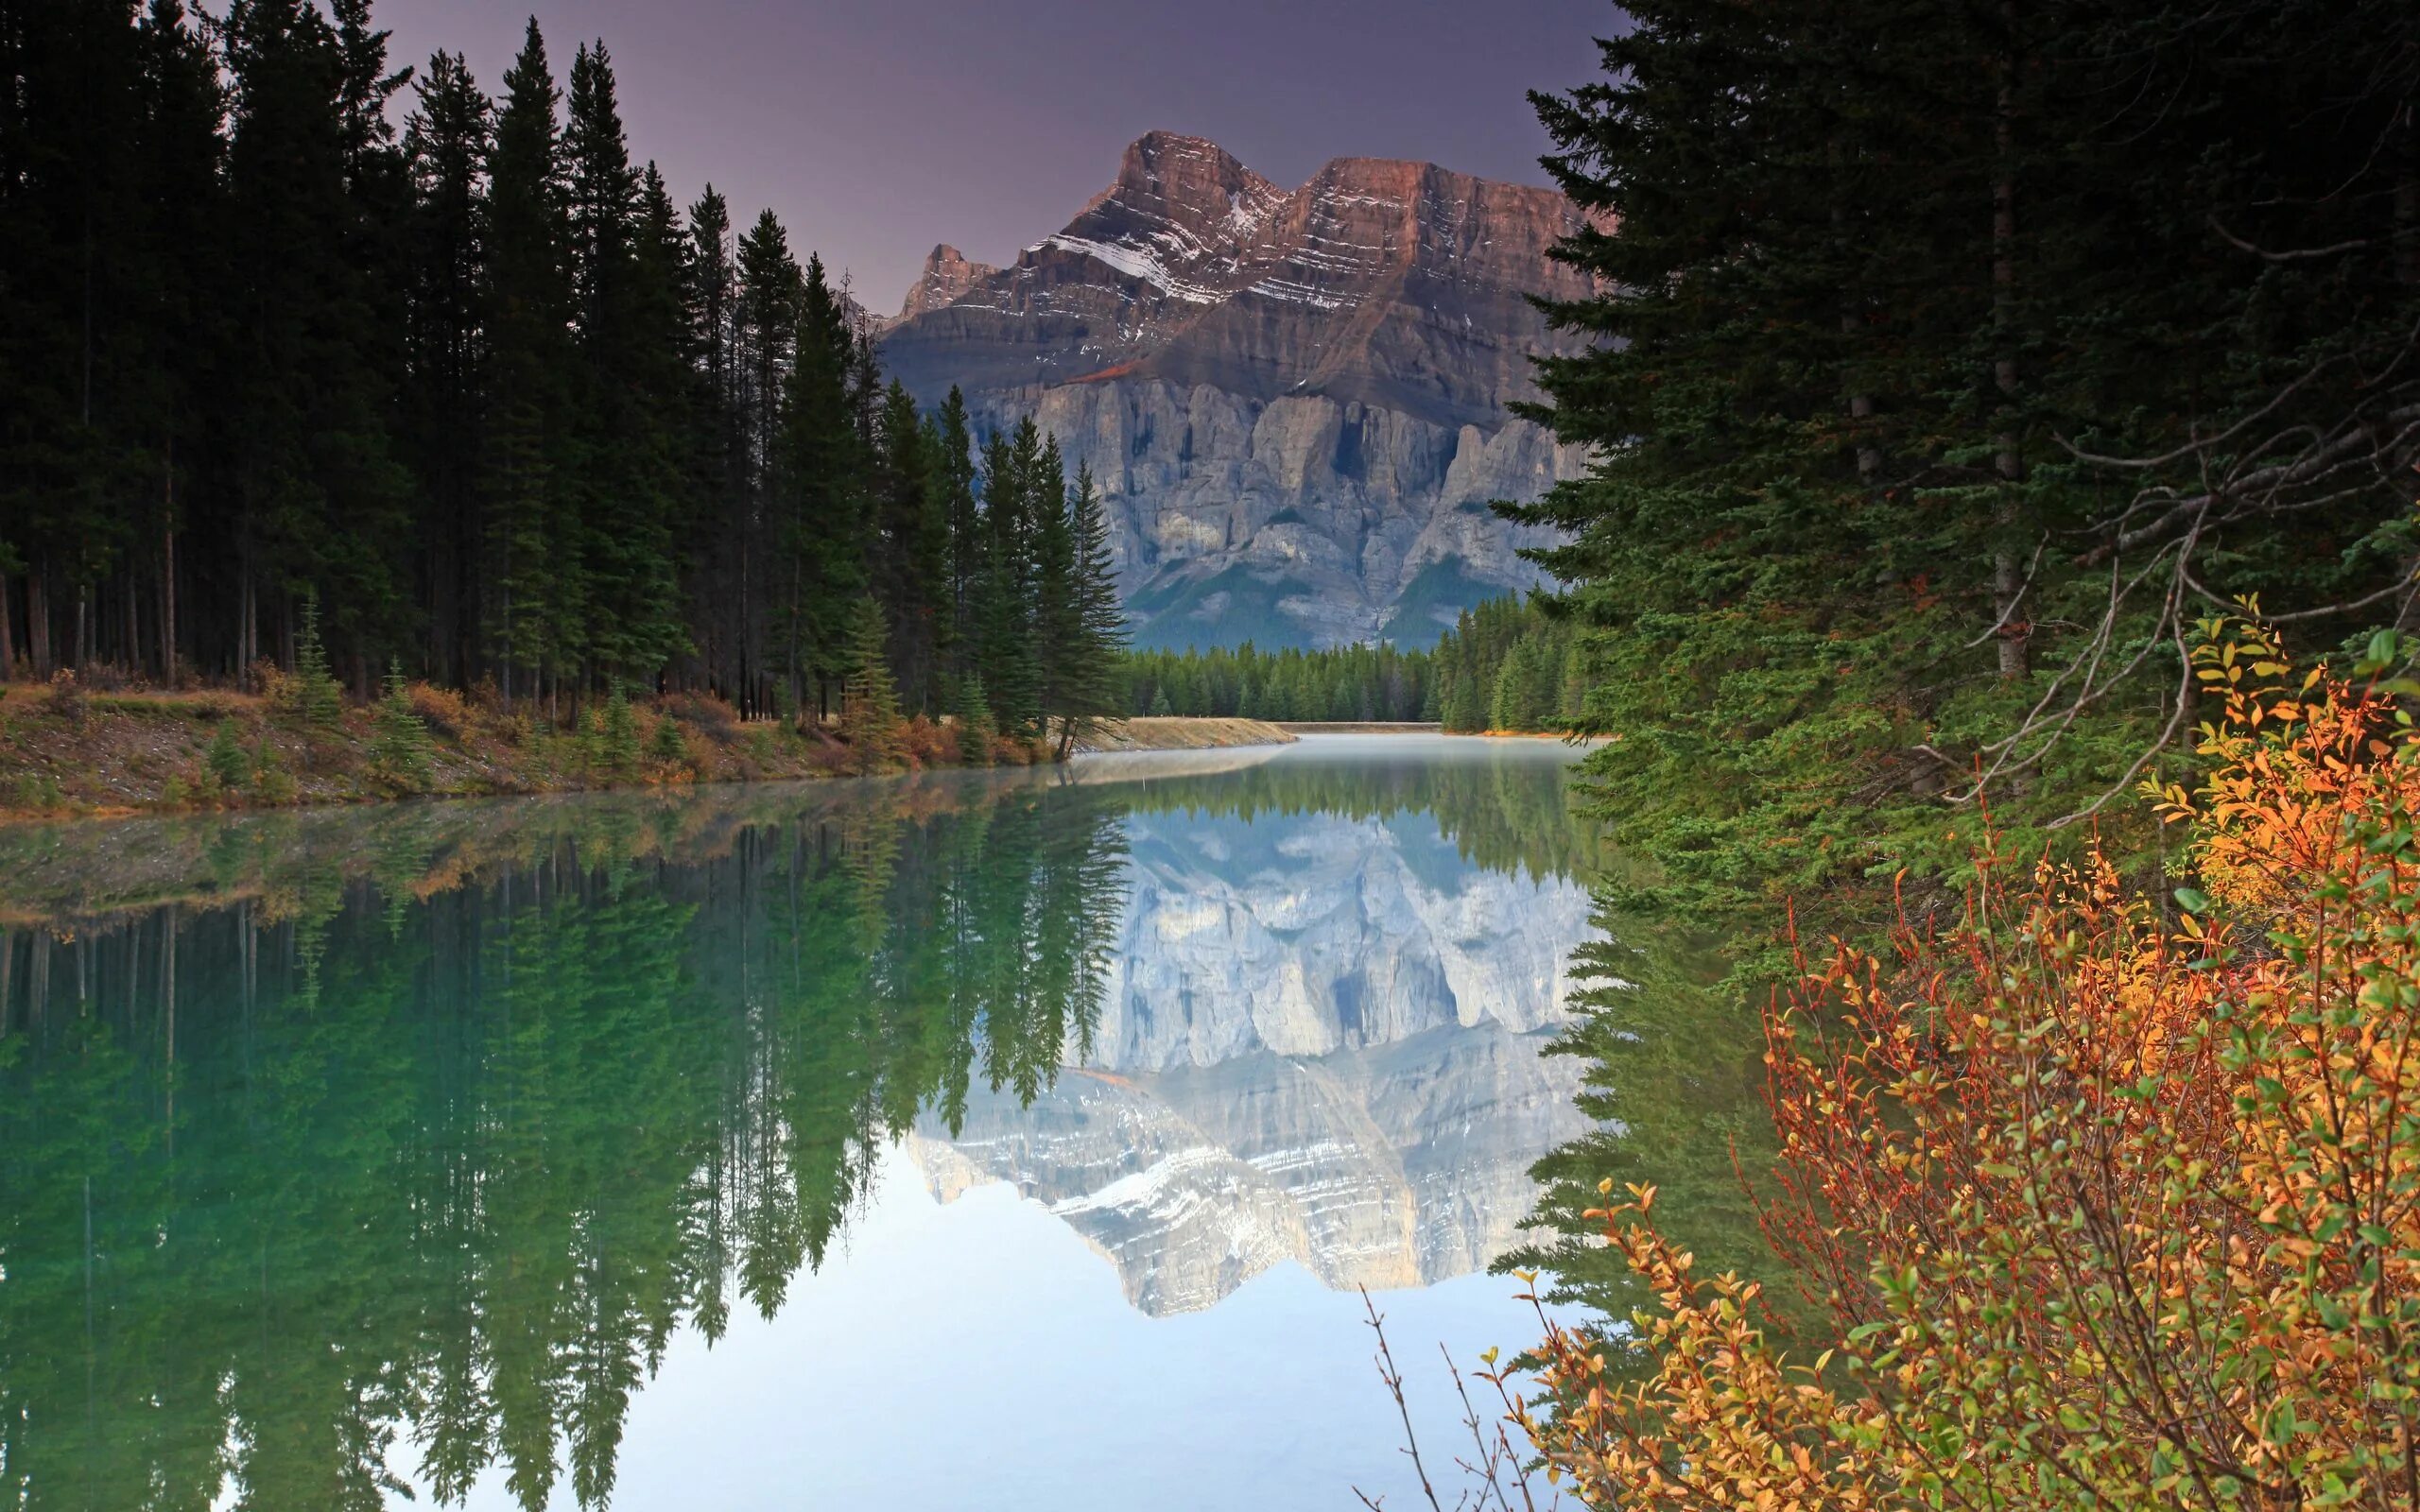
x=399, y=749
x=870, y=700
x=313, y=695
x=975, y=730
x=1352, y=682
x=666, y=746
x=1843, y=544
x=272, y=784
x=226, y=761
x=618, y=736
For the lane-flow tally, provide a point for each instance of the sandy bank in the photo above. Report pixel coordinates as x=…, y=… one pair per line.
x=1148, y=733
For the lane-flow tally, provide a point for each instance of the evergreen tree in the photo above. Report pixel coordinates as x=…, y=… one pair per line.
x=315, y=699
x=1006, y=657
x=665, y=745
x=225, y=760
x=870, y=701
x=824, y=507
x=1090, y=689
x=911, y=545
x=954, y=480
x=533, y=572
x=764, y=330
x=399, y=744
x=617, y=744
x=630, y=385
x=446, y=141
x=974, y=715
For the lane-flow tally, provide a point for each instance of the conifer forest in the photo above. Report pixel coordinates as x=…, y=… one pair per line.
x=479, y=389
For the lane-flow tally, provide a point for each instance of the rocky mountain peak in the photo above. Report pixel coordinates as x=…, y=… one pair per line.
x=1296, y=401
x=946, y=277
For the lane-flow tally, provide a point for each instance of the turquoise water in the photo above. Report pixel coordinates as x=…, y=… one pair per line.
x=963, y=1140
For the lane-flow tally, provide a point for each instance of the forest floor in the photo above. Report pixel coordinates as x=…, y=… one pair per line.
x=101, y=753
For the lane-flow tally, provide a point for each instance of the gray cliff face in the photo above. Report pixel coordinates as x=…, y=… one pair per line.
x=1325, y=1047
x=1295, y=401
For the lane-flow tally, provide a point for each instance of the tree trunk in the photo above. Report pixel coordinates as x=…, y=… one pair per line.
x=168, y=606
x=169, y=566
x=8, y=634
x=2007, y=583
x=132, y=650
x=248, y=628
x=38, y=622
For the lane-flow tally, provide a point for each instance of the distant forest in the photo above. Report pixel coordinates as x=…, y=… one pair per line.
x=480, y=388
x=1508, y=664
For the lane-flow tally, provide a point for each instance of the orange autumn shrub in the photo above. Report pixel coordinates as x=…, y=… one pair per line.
x=2109, y=1209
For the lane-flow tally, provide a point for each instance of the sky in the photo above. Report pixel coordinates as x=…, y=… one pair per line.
x=875, y=129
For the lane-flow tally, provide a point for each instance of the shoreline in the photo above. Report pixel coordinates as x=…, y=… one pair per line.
x=1153, y=732
x=100, y=755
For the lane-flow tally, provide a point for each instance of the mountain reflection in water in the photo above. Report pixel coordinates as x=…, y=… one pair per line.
x=334, y=1142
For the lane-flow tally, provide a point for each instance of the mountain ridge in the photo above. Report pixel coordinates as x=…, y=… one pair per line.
x=1296, y=401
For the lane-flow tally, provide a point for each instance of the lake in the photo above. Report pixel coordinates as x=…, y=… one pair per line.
x=994, y=1141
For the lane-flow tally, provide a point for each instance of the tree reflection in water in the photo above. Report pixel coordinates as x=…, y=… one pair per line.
x=410, y=1136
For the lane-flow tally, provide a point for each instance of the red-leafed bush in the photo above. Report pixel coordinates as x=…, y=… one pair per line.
x=2111, y=1207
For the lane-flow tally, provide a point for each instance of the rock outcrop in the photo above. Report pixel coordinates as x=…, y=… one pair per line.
x=946, y=278
x=1322, y=1044
x=1295, y=401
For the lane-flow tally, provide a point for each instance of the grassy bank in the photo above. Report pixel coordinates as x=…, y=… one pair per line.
x=64, y=750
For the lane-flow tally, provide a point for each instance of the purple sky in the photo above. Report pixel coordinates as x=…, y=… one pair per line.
x=877, y=127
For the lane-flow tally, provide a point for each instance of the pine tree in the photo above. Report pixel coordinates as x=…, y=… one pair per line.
x=446, y=141
x=974, y=715
x=910, y=541
x=532, y=570
x=315, y=699
x=399, y=752
x=870, y=700
x=1006, y=656
x=1090, y=684
x=665, y=745
x=954, y=481
x=823, y=500
x=764, y=330
x=229, y=766
x=617, y=746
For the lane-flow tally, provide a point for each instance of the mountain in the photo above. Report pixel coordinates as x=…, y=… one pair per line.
x=946, y=279
x=1294, y=399
x=1321, y=1042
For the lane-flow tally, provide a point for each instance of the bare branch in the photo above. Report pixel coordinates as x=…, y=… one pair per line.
x=2297, y=256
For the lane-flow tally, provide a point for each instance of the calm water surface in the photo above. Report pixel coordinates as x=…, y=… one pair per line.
x=961, y=1142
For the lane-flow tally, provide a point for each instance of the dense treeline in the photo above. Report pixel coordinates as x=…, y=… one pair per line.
x=480, y=387
x=1508, y=664
x=1353, y=682
x=1953, y=360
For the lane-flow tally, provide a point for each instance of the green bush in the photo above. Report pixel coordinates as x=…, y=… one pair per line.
x=399, y=743
x=228, y=764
